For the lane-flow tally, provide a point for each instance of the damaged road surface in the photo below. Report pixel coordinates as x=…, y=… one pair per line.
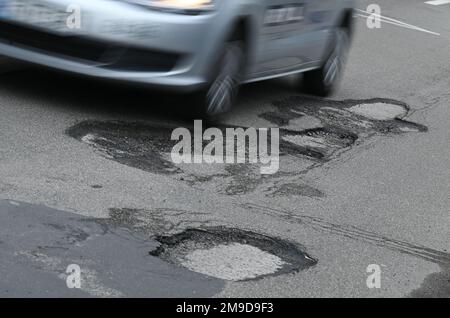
x=87, y=181
x=312, y=132
x=39, y=244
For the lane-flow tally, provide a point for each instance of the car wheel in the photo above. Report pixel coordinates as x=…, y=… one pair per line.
x=219, y=96
x=323, y=81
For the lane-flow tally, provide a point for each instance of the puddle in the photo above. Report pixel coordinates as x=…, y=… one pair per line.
x=232, y=254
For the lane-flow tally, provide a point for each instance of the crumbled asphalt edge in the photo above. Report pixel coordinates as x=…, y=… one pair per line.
x=156, y=222
x=244, y=180
x=318, y=224
x=146, y=146
x=340, y=128
x=343, y=127
x=175, y=247
x=336, y=137
x=138, y=145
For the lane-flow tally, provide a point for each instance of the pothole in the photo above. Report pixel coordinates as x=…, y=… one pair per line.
x=290, y=189
x=317, y=128
x=361, y=117
x=137, y=145
x=318, y=143
x=232, y=254
x=379, y=111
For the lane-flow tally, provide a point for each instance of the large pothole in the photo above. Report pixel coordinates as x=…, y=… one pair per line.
x=379, y=110
x=318, y=128
x=312, y=131
x=318, y=143
x=232, y=254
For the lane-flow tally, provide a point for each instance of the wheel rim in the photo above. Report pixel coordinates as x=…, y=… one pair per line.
x=335, y=63
x=224, y=88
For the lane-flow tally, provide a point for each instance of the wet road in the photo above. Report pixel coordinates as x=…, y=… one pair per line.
x=91, y=162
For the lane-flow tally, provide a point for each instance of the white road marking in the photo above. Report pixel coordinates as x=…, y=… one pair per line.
x=367, y=14
x=438, y=2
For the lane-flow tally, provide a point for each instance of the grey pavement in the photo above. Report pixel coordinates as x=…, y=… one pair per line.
x=382, y=198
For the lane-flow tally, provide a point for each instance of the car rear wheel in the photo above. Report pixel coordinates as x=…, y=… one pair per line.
x=324, y=81
x=219, y=96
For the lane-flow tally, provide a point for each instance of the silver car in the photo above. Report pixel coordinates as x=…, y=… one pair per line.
x=206, y=48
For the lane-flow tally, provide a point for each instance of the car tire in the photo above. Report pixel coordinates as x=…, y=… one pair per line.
x=324, y=81
x=221, y=92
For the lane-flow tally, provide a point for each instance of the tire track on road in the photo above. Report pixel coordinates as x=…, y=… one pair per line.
x=352, y=232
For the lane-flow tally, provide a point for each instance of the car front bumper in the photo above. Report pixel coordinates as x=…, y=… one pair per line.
x=120, y=41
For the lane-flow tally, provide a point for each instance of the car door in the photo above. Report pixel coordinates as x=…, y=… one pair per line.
x=320, y=19
x=292, y=35
x=280, y=24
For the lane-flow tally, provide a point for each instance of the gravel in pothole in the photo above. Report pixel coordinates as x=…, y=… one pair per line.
x=232, y=254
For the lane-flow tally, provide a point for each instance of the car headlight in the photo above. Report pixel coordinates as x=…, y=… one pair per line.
x=178, y=5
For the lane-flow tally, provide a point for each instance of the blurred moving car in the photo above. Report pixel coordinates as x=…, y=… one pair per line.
x=204, y=47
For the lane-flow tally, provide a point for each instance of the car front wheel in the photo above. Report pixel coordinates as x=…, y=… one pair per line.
x=323, y=81
x=219, y=96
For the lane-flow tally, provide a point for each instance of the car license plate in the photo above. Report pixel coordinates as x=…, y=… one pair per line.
x=35, y=13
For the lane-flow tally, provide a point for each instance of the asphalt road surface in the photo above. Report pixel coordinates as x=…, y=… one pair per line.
x=85, y=179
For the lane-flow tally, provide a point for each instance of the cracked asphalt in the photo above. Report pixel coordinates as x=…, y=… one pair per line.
x=86, y=178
